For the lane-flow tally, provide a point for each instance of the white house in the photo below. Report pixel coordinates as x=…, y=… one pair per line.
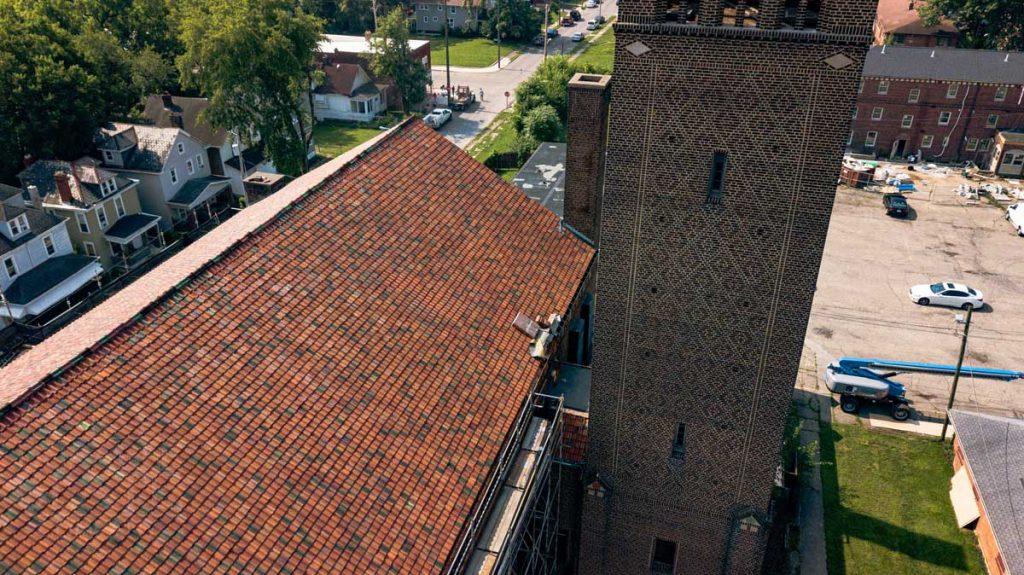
x=38, y=266
x=347, y=93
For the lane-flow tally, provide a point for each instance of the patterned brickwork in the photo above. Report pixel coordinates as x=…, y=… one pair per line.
x=836, y=16
x=584, y=174
x=701, y=310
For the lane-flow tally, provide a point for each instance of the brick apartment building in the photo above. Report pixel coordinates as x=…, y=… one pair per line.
x=726, y=130
x=941, y=104
x=899, y=23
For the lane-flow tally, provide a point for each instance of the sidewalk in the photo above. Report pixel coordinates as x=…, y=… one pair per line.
x=812, y=409
x=505, y=61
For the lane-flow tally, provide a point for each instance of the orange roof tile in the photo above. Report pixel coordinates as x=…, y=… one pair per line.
x=327, y=396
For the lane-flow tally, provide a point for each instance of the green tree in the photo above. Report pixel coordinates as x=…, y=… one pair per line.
x=549, y=85
x=254, y=60
x=542, y=124
x=514, y=20
x=993, y=24
x=391, y=58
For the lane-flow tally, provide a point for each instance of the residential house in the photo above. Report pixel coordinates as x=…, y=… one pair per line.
x=429, y=16
x=355, y=50
x=348, y=92
x=986, y=489
x=173, y=170
x=1007, y=158
x=356, y=325
x=38, y=267
x=899, y=23
x=105, y=217
x=941, y=104
x=229, y=153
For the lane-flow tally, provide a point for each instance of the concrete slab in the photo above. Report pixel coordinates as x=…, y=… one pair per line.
x=919, y=426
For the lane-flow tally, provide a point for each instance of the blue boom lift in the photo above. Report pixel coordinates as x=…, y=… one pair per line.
x=860, y=380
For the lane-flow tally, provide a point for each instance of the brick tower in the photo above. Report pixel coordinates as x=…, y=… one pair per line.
x=728, y=122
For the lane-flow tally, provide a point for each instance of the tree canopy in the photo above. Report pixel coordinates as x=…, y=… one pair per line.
x=514, y=20
x=254, y=60
x=391, y=58
x=993, y=24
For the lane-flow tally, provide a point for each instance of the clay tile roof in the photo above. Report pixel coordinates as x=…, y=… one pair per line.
x=325, y=394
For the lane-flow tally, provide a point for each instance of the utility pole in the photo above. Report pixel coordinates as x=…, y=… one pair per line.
x=956, y=375
x=497, y=31
x=447, y=65
x=544, y=28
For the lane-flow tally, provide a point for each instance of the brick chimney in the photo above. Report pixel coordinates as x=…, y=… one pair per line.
x=177, y=121
x=63, y=181
x=34, y=198
x=586, y=135
x=168, y=100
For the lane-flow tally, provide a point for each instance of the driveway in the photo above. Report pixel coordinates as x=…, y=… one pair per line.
x=495, y=82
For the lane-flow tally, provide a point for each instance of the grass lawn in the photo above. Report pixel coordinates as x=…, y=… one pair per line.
x=334, y=137
x=890, y=512
x=600, y=54
x=468, y=52
x=498, y=137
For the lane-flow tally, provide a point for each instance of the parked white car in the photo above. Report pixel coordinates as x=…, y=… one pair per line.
x=1015, y=215
x=437, y=117
x=592, y=25
x=947, y=294
x=590, y=4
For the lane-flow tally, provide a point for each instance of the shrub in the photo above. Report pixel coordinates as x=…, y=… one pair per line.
x=542, y=124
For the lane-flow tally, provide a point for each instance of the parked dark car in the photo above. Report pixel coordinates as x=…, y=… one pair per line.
x=538, y=40
x=896, y=205
x=568, y=22
x=552, y=32
x=599, y=19
x=575, y=15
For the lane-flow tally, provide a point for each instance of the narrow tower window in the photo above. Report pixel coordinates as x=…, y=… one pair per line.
x=716, y=183
x=679, y=443
x=663, y=559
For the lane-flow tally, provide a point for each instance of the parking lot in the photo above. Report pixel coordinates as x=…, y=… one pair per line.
x=862, y=309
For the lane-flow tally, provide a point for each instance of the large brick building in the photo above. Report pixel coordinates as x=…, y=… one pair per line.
x=942, y=104
x=727, y=125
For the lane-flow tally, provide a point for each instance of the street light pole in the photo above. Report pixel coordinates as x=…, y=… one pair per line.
x=544, y=28
x=447, y=65
x=956, y=375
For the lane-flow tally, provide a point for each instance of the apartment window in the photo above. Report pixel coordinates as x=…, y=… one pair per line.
x=439, y=8
x=944, y=118
x=883, y=87
x=926, y=141
x=18, y=225
x=663, y=557
x=90, y=249
x=984, y=144
x=908, y=121
x=876, y=113
x=992, y=120
x=181, y=149
x=108, y=187
x=426, y=19
x=1000, y=93
x=716, y=183
x=174, y=176
x=915, y=96
x=451, y=9
x=952, y=90
x=451, y=22
x=101, y=215
x=679, y=442
x=48, y=244
x=119, y=206
x=199, y=160
x=435, y=17
x=190, y=167
x=870, y=139
x=10, y=267
x=972, y=144
x=83, y=222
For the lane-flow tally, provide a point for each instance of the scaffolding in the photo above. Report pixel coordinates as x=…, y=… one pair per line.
x=514, y=530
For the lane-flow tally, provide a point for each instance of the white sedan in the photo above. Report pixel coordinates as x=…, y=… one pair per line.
x=1015, y=215
x=437, y=117
x=947, y=294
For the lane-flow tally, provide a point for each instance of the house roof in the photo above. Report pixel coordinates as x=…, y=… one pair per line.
x=994, y=449
x=325, y=390
x=13, y=206
x=153, y=143
x=190, y=110
x=86, y=172
x=194, y=189
x=253, y=157
x=900, y=16
x=339, y=78
x=945, y=64
x=356, y=44
x=44, y=277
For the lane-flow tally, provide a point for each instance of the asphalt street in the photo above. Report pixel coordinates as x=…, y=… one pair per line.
x=495, y=82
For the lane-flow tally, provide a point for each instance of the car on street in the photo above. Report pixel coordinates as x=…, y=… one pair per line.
x=896, y=205
x=538, y=40
x=1015, y=215
x=575, y=15
x=592, y=25
x=590, y=4
x=568, y=22
x=438, y=117
x=599, y=19
x=948, y=294
x=552, y=32
x=577, y=37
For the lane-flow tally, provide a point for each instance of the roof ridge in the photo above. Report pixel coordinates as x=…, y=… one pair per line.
x=30, y=372
x=992, y=417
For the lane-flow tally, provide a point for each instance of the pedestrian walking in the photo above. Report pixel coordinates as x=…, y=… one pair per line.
x=481, y=94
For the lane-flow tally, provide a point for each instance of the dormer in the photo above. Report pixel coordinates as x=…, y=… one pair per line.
x=113, y=145
x=108, y=186
x=16, y=226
